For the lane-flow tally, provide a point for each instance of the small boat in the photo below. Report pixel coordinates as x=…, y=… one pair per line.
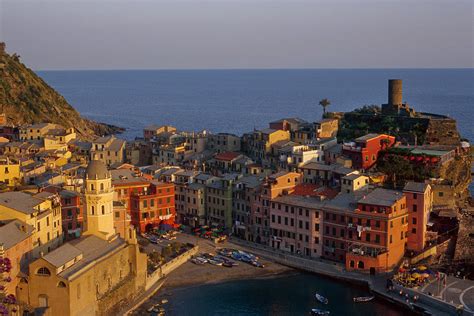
x=321, y=298
x=227, y=264
x=164, y=301
x=258, y=264
x=319, y=312
x=214, y=262
x=362, y=299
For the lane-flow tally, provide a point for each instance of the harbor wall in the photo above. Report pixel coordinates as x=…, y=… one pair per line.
x=169, y=266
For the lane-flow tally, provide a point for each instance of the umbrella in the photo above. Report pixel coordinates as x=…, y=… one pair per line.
x=401, y=270
x=425, y=275
x=422, y=268
x=416, y=275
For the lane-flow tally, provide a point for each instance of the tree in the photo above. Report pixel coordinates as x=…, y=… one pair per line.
x=324, y=103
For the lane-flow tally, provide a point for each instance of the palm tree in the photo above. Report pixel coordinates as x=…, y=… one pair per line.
x=324, y=103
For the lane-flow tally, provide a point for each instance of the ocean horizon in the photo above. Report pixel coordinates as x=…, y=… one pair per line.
x=239, y=100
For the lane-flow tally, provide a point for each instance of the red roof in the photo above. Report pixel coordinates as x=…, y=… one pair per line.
x=308, y=189
x=227, y=156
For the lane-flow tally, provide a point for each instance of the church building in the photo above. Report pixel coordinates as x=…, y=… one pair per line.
x=91, y=274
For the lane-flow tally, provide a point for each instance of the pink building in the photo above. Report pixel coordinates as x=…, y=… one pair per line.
x=295, y=224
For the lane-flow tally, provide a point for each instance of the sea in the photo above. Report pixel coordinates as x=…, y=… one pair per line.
x=287, y=295
x=239, y=101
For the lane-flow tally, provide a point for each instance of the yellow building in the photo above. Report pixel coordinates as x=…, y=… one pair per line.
x=92, y=274
x=99, y=197
x=10, y=171
x=108, y=149
x=53, y=132
x=259, y=143
x=42, y=211
x=354, y=182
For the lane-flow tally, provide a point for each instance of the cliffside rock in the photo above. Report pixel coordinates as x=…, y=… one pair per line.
x=25, y=99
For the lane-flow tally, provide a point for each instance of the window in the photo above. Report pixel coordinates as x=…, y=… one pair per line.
x=440, y=194
x=377, y=223
x=102, y=187
x=413, y=230
x=390, y=238
x=92, y=210
x=316, y=227
x=43, y=271
x=415, y=208
x=414, y=220
x=117, y=214
x=61, y=284
x=103, y=209
x=316, y=240
x=401, y=235
x=377, y=239
x=367, y=237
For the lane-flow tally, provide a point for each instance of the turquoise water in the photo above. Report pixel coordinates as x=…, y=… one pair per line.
x=288, y=295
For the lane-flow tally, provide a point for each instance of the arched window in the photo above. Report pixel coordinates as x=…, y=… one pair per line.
x=92, y=187
x=92, y=210
x=103, y=209
x=43, y=271
x=61, y=284
x=102, y=187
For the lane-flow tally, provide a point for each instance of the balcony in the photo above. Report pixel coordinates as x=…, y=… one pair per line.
x=366, y=251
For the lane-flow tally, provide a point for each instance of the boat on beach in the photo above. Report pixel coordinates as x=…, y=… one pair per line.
x=321, y=299
x=362, y=299
x=319, y=312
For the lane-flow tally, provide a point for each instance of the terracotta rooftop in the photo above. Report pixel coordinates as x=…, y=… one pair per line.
x=227, y=156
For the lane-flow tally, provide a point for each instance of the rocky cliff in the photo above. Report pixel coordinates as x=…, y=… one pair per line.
x=25, y=99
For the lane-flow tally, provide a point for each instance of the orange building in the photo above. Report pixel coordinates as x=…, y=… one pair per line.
x=419, y=202
x=154, y=206
x=366, y=232
x=148, y=203
x=379, y=227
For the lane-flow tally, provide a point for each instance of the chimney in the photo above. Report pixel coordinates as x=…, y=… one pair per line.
x=395, y=95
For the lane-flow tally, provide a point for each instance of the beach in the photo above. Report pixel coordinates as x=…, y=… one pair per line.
x=190, y=274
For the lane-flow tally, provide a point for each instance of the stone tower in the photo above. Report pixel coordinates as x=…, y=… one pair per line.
x=99, y=195
x=395, y=93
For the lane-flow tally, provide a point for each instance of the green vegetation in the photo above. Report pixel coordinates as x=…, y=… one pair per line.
x=324, y=103
x=368, y=119
x=27, y=99
x=399, y=170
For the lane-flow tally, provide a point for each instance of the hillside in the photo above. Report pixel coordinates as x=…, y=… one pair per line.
x=25, y=98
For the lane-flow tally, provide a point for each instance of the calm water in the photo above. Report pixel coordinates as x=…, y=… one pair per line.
x=238, y=100
x=289, y=295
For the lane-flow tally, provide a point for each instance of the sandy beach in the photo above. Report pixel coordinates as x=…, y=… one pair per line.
x=190, y=274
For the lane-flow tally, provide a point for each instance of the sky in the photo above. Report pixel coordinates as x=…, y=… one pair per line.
x=208, y=34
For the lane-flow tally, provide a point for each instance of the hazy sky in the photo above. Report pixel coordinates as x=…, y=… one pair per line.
x=106, y=34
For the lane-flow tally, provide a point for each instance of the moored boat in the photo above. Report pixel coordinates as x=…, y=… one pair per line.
x=321, y=298
x=319, y=312
x=362, y=299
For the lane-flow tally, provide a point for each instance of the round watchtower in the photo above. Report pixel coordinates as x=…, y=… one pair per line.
x=395, y=95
